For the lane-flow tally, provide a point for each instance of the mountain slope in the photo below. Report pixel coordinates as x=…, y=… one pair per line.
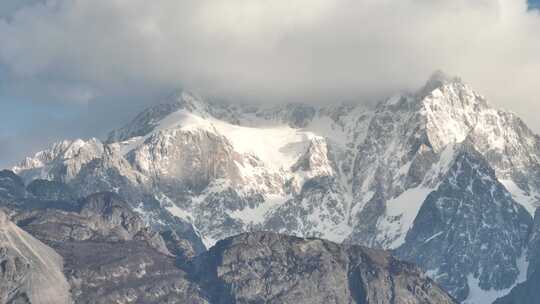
x=527, y=292
x=28, y=267
x=109, y=255
x=271, y=268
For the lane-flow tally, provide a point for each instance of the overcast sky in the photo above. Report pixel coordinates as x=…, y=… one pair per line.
x=71, y=68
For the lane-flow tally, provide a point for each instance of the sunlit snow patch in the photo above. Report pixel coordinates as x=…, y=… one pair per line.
x=526, y=200
x=400, y=214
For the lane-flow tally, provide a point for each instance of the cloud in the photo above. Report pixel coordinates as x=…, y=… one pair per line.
x=280, y=50
x=8, y=7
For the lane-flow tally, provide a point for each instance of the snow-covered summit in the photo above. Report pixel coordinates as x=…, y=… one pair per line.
x=63, y=160
x=437, y=80
x=147, y=120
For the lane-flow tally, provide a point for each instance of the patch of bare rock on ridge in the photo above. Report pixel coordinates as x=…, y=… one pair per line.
x=30, y=272
x=110, y=255
x=265, y=267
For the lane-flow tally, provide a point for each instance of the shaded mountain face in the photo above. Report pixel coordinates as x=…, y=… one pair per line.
x=11, y=186
x=430, y=163
x=103, y=253
x=51, y=190
x=470, y=222
x=527, y=292
x=524, y=293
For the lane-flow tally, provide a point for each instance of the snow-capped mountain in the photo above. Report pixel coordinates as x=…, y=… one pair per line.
x=435, y=174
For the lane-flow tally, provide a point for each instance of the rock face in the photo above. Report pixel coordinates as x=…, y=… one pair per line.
x=524, y=293
x=110, y=255
x=271, y=268
x=381, y=176
x=469, y=222
x=51, y=190
x=527, y=292
x=125, y=272
x=11, y=186
x=258, y=267
x=534, y=245
x=30, y=272
x=100, y=217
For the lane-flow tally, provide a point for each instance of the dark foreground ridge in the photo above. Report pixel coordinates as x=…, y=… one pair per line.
x=265, y=267
x=104, y=253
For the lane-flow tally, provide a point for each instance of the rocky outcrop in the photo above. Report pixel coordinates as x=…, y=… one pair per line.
x=30, y=271
x=62, y=162
x=11, y=186
x=49, y=190
x=125, y=272
x=110, y=255
x=189, y=159
x=318, y=211
x=101, y=217
x=266, y=267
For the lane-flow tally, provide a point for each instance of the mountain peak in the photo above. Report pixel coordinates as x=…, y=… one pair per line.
x=189, y=100
x=450, y=93
x=148, y=119
x=439, y=78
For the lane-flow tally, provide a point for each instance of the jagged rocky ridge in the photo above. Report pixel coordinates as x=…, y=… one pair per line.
x=349, y=172
x=109, y=256
x=264, y=267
